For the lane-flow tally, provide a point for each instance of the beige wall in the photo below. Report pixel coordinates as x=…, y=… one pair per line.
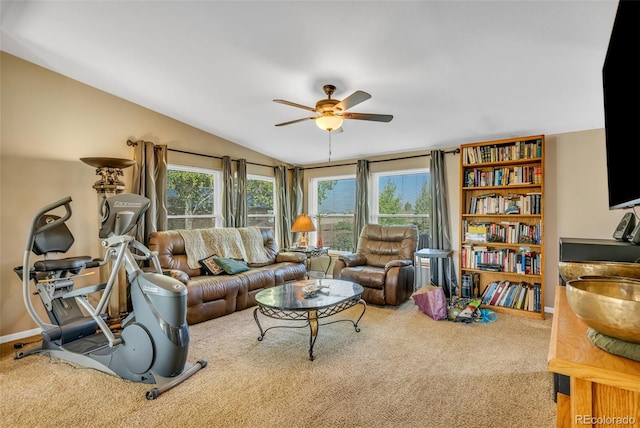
x=49, y=122
x=576, y=197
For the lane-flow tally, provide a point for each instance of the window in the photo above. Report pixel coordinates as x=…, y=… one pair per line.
x=261, y=201
x=194, y=198
x=332, y=204
x=401, y=197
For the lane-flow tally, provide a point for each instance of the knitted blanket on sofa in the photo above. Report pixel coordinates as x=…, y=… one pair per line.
x=235, y=243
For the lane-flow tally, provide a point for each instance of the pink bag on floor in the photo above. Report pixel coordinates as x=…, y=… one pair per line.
x=432, y=301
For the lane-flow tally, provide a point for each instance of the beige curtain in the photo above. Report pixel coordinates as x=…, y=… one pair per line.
x=241, y=215
x=361, y=217
x=283, y=222
x=227, y=192
x=150, y=181
x=440, y=230
x=297, y=195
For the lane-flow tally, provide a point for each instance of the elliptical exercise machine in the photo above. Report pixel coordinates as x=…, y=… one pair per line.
x=153, y=343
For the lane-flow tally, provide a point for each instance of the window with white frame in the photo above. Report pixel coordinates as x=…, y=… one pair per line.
x=332, y=205
x=194, y=197
x=261, y=204
x=401, y=197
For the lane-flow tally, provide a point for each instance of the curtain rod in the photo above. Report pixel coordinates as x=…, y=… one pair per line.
x=454, y=151
x=135, y=143
x=217, y=157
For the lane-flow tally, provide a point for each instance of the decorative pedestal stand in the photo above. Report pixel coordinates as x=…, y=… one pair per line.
x=109, y=170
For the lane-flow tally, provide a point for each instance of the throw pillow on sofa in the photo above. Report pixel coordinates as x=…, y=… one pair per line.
x=231, y=266
x=210, y=266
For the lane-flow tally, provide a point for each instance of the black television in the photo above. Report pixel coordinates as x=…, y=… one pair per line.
x=621, y=90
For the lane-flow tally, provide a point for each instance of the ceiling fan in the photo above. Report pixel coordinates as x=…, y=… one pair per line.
x=331, y=113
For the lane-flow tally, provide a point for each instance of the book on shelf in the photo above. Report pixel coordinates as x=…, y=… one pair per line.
x=487, y=294
x=518, y=299
x=504, y=295
x=489, y=267
x=537, y=292
x=521, y=296
x=510, y=293
x=533, y=299
x=529, y=203
x=537, y=175
x=498, y=292
x=530, y=299
x=530, y=149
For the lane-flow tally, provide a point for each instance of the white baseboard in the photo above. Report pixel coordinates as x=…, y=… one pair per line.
x=20, y=335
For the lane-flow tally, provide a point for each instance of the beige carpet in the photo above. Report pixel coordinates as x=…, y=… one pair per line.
x=402, y=370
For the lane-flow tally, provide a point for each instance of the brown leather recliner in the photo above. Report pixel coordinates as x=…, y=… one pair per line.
x=382, y=264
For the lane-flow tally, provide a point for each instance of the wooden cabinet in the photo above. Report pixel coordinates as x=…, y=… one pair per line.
x=502, y=223
x=605, y=388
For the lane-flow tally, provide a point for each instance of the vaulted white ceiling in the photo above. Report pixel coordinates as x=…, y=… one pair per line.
x=450, y=72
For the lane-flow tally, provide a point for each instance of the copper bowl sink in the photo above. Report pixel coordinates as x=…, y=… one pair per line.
x=573, y=270
x=610, y=306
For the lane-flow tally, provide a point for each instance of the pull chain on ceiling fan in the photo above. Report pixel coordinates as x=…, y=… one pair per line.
x=331, y=113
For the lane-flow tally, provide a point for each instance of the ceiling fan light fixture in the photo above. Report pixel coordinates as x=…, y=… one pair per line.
x=330, y=113
x=329, y=122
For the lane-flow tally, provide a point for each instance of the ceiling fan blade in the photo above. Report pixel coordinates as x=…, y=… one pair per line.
x=289, y=103
x=356, y=98
x=296, y=121
x=368, y=116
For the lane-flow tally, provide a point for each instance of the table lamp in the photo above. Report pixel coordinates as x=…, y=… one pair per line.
x=302, y=225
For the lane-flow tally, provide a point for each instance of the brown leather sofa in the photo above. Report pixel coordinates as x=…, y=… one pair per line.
x=214, y=296
x=382, y=263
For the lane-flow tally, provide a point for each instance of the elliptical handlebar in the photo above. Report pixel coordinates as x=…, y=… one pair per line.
x=33, y=230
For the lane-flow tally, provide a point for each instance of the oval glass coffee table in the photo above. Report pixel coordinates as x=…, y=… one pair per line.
x=310, y=301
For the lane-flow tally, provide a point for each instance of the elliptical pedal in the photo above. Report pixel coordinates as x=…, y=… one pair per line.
x=88, y=344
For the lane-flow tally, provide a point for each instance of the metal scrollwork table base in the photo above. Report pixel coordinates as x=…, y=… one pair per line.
x=293, y=302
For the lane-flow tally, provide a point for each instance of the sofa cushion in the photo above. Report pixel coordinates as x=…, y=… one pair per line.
x=231, y=266
x=251, y=282
x=287, y=271
x=210, y=297
x=291, y=257
x=367, y=276
x=210, y=266
x=177, y=274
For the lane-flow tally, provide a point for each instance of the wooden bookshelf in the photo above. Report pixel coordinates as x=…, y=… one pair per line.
x=502, y=221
